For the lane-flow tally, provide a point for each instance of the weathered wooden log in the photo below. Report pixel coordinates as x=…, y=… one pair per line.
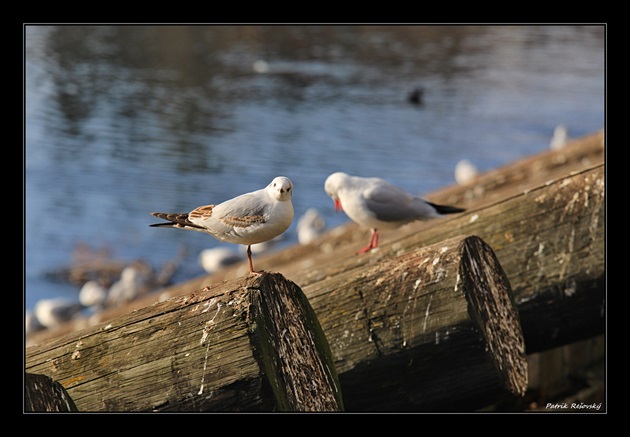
x=296, y=356
x=550, y=241
x=435, y=329
x=44, y=395
x=305, y=263
x=251, y=344
x=551, y=244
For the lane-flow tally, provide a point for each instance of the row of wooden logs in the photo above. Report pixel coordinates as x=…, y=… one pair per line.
x=439, y=318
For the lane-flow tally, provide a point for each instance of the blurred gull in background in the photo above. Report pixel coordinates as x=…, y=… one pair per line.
x=135, y=281
x=310, y=226
x=215, y=259
x=93, y=294
x=560, y=137
x=51, y=313
x=465, y=172
x=32, y=324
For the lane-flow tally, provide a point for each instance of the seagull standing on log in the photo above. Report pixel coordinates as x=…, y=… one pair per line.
x=247, y=219
x=377, y=204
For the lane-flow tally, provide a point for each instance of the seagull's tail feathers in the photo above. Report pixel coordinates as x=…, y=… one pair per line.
x=446, y=209
x=174, y=221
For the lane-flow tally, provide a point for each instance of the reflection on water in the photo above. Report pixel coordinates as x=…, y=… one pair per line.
x=124, y=120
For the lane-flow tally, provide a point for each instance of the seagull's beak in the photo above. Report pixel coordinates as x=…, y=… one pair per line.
x=338, y=206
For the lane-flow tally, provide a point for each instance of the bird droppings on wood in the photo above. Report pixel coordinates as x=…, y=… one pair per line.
x=426, y=315
x=207, y=305
x=205, y=364
x=416, y=285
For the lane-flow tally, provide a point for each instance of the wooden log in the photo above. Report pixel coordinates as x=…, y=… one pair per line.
x=296, y=357
x=435, y=329
x=548, y=237
x=44, y=395
x=438, y=330
x=546, y=224
x=556, y=372
x=303, y=262
x=251, y=344
x=550, y=241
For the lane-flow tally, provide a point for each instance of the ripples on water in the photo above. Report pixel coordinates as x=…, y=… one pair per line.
x=122, y=121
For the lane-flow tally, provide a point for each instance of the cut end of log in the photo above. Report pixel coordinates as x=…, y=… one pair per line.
x=292, y=347
x=491, y=306
x=43, y=394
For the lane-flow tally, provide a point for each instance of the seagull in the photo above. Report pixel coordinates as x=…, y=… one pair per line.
x=135, y=281
x=93, y=294
x=247, y=219
x=31, y=323
x=465, y=172
x=213, y=260
x=56, y=311
x=377, y=204
x=310, y=226
x=560, y=137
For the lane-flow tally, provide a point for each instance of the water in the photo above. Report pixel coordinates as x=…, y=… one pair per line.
x=125, y=120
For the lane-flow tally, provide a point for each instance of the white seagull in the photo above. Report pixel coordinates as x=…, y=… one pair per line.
x=310, y=226
x=56, y=311
x=217, y=258
x=247, y=219
x=135, y=281
x=377, y=204
x=560, y=137
x=465, y=172
x=93, y=294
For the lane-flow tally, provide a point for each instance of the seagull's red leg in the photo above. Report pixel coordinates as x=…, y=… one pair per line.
x=373, y=242
x=251, y=264
x=249, y=259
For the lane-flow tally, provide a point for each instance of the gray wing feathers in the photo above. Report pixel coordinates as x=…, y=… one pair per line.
x=245, y=205
x=392, y=204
